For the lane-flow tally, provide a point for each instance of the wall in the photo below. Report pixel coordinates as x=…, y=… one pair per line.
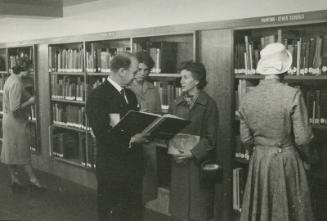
x=109, y=15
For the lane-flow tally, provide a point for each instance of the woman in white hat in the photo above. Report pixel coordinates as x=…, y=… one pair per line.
x=275, y=126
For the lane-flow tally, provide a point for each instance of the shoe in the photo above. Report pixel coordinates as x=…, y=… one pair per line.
x=37, y=188
x=17, y=187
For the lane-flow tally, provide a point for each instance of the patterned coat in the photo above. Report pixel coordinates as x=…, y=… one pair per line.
x=189, y=199
x=274, y=119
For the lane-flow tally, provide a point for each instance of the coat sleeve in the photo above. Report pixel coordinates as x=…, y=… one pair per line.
x=97, y=113
x=245, y=131
x=15, y=96
x=208, y=140
x=301, y=126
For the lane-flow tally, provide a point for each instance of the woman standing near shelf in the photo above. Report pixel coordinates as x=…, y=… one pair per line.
x=16, y=144
x=189, y=199
x=275, y=126
x=149, y=100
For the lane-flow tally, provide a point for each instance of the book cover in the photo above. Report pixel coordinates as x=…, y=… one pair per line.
x=157, y=126
x=182, y=143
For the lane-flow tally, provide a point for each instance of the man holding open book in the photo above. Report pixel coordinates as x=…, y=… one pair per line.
x=119, y=163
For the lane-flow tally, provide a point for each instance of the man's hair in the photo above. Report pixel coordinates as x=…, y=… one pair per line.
x=22, y=64
x=122, y=60
x=198, y=72
x=145, y=58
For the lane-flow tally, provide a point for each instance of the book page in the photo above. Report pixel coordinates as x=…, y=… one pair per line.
x=182, y=143
x=114, y=118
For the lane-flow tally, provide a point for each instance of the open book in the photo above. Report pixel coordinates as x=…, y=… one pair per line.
x=156, y=125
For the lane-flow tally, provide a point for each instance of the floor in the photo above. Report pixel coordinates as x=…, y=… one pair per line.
x=64, y=201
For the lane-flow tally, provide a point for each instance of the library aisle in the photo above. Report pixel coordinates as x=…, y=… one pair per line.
x=64, y=201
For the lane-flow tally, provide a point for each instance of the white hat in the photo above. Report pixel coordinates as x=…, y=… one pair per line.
x=275, y=59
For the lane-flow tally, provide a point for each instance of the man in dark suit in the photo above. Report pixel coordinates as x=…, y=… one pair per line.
x=119, y=163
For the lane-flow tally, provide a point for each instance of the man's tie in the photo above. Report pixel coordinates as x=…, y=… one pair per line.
x=122, y=92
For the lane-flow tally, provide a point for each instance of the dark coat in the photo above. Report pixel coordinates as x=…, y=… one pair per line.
x=189, y=199
x=114, y=159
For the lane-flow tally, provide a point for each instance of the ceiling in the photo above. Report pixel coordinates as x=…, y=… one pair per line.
x=36, y=8
x=75, y=2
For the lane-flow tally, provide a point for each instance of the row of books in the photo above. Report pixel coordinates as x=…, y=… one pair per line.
x=68, y=145
x=32, y=114
x=239, y=179
x=98, y=59
x=28, y=56
x=66, y=60
x=316, y=101
x=309, y=54
x=168, y=93
x=240, y=151
x=69, y=115
x=164, y=54
x=67, y=88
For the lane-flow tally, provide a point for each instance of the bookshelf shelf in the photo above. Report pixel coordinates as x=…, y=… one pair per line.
x=65, y=126
x=97, y=74
x=74, y=162
x=241, y=160
x=68, y=101
x=68, y=73
x=319, y=127
x=4, y=72
x=287, y=77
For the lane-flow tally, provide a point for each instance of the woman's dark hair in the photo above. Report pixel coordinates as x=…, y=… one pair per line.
x=22, y=64
x=121, y=61
x=198, y=72
x=145, y=58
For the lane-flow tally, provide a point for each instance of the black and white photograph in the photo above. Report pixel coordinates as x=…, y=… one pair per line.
x=163, y=110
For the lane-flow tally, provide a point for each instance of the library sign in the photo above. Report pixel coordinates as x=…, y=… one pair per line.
x=282, y=18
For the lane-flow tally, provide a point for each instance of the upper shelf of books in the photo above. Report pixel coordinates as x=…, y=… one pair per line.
x=307, y=43
x=168, y=52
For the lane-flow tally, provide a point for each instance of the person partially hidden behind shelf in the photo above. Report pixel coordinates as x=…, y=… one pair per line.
x=274, y=125
x=16, y=139
x=119, y=163
x=190, y=199
x=148, y=97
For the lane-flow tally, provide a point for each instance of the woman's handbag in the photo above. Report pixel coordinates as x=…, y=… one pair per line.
x=210, y=172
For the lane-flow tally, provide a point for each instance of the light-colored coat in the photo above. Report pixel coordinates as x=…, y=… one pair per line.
x=16, y=141
x=189, y=199
x=274, y=119
x=148, y=99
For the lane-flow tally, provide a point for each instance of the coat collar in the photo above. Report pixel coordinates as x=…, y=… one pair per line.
x=202, y=99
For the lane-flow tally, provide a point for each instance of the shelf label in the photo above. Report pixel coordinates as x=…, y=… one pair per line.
x=282, y=18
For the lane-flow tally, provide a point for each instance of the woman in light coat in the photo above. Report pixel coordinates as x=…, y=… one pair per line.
x=275, y=126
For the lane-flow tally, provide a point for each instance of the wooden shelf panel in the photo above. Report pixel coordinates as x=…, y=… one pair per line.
x=68, y=101
x=287, y=77
x=164, y=76
x=74, y=162
x=68, y=73
x=319, y=126
x=4, y=72
x=241, y=160
x=97, y=74
x=69, y=127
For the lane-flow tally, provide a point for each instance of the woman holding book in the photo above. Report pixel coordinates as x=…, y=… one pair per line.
x=149, y=101
x=274, y=126
x=189, y=199
x=16, y=143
